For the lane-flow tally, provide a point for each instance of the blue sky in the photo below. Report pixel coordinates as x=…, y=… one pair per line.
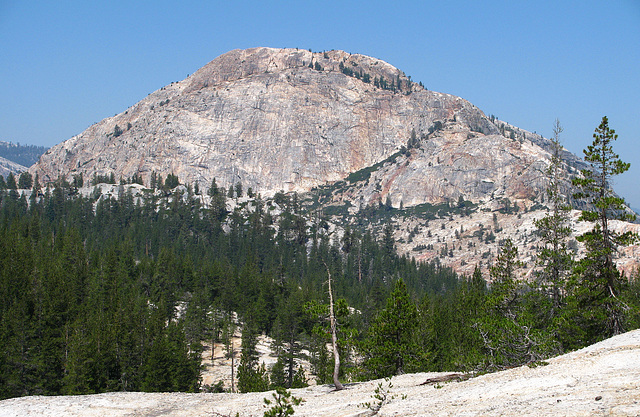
x=65, y=65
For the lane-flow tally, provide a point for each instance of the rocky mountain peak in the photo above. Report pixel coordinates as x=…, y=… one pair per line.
x=243, y=63
x=270, y=119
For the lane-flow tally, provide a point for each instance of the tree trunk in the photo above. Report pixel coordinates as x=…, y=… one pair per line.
x=232, y=369
x=334, y=338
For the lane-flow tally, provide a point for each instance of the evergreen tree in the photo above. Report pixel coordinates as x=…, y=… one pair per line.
x=596, y=309
x=171, y=182
x=391, y=347
x=213, y=189
x=78, y=181
x=447, y=325
x=11, y=182
x=228, y=334
x=510, y=333
x=287, y=329
x=413, y=140
x=25, y=181
x=252, y=376
x=555, y=258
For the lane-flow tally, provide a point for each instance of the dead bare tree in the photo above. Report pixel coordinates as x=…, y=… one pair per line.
x=334, y=337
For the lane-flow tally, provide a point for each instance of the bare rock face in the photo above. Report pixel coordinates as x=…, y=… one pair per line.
x=7, y=167
x=456, y=163
x=264, y=118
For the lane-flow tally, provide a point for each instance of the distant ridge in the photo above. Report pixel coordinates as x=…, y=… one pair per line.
x=24, y=155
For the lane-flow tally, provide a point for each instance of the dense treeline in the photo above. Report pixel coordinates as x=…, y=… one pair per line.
x=104, y=294
x=25, y=155
x=107, y=294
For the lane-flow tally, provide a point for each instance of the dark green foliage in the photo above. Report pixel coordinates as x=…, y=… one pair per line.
x=25, y=155
x=595, y=308
x=512, y=334
x=347, y=336
x=99, y=308
x=25, y=181
x=171, y=182
x=392, y=346
x=103, y=179
x=252, y=376
x=287, y=331
x=283, y=403
x=78, y=181
x=11, y=182
x=555, y=258
x=365, y=173
x=119, y=294
x=346, y=70
x=87, y=325
x=413, y=140
x=135, y=179
x=448, y=326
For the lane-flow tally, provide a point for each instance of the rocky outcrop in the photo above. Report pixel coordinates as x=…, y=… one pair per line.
x=603, y=379
x=6, y=167
x=288, y=119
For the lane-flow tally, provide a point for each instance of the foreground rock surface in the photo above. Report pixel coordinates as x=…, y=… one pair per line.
x=603, y=379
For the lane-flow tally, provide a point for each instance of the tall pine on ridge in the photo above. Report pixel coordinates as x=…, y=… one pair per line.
x=596, y=310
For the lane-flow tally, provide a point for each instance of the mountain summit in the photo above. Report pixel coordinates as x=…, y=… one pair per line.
x=289, y=119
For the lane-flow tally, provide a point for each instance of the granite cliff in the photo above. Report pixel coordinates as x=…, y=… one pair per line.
x=288, y=119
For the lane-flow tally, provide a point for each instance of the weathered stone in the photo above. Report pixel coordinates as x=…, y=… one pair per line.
x=7, y=167
x=262, y=117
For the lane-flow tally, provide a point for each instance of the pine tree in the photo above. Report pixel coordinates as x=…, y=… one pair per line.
x=11, y=182
x=286, y=344
x=391, y=347
x=510, y=332
x=252, y=376
x=25, y=181
x=555, y=258
x=228, y=332
x=504, y=286
x=172, y=181
x=597, y=311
